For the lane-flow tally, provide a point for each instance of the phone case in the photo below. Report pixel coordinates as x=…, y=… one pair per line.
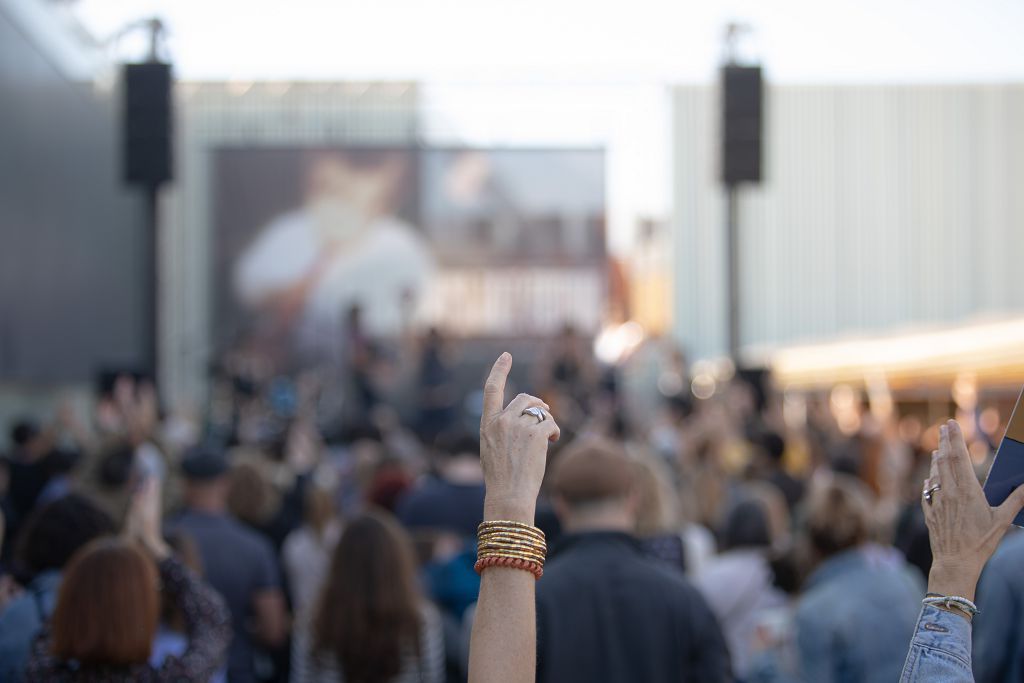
x=1007, y=472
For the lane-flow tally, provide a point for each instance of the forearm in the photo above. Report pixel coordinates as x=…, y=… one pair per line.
x=503, y=648
x=503, y=645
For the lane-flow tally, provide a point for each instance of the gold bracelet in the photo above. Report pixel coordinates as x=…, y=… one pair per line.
x=510, y=526
x=511, y=538
x=493, y=545
x=481, y=552
x=490, y=548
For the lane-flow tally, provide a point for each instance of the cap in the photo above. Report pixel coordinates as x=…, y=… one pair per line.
x=203, y=463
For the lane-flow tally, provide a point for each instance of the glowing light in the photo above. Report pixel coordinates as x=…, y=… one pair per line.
x=989, y=420
x=703, y=386
x=615, y=343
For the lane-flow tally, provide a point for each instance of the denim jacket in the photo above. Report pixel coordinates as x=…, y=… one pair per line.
x=21, y=621
x=856, y=617
x=941, y=649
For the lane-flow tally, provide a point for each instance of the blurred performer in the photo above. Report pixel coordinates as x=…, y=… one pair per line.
x=438, y=392
x=344, y=246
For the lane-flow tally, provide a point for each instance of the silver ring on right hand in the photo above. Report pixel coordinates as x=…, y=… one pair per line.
x=537, y=412
x=929, y=493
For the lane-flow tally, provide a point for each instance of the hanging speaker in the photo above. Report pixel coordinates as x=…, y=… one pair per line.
x=741, y=124
x=146, y=136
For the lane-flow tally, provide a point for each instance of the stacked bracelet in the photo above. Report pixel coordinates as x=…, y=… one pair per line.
x=950, y=602
x=511, y=544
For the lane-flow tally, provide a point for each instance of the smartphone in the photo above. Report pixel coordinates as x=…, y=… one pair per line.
x=1007, y=472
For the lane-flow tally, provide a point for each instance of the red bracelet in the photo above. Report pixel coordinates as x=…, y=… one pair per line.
x=534, y=568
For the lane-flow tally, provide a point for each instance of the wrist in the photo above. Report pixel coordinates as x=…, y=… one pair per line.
x=949, y=580
x=157, y=548
x=509, y=510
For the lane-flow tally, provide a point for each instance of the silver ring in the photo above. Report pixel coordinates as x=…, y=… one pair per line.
x=536, y=412
x=930, y=492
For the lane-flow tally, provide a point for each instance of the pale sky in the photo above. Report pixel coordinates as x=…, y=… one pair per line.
x=574, y=72
x=825, y=41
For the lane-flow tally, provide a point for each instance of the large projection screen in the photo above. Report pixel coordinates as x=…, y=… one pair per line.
x=480, y=242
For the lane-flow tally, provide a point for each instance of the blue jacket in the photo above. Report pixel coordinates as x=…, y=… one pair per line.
x=856, y=618
x=21, y=621
x=941, y=649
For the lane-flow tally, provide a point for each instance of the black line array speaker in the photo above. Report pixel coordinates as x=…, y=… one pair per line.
x=146, y=123
x=741, y=124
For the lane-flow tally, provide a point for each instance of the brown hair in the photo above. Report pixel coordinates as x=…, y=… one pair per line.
x=592, y=470
x=369, y=614
x=251, y=496
x=838, y=515
x=108, y=605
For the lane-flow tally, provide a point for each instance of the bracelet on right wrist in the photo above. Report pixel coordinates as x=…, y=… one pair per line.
x=952, y=603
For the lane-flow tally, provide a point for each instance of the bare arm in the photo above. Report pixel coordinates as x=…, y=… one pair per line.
x=270, y=616
x=503, y=647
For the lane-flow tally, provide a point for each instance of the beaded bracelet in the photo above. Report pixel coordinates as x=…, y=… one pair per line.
x=534, y=568
x=952, y=602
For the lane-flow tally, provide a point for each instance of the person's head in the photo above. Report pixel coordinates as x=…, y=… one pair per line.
x=657, y=503
x=746, y=527
x=369, y=610
x=772, y=448
x=27, y=439
x=205, y=473
x=389, y=483
x=252, y=498
x=593, y=487
x=55, y=532
x=457, y=456
x=107, y=606
x=319, y=508
x=838, y=515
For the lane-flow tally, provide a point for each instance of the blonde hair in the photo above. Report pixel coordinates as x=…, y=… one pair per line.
x=657, y=502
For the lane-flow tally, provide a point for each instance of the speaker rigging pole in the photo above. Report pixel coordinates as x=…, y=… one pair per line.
x=741, y=162
x=147, y=163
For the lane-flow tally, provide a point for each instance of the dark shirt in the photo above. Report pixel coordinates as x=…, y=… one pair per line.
x=238, y=563
x=607, y=614
x=206, y=622
x=792, y=489
x=440, y=505
x=27, y=480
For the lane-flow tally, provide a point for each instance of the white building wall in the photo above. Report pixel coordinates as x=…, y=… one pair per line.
x=883, y=207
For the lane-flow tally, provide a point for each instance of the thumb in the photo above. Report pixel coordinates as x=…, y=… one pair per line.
x=1011, y=506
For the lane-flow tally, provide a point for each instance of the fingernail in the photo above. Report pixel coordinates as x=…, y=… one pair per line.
x=505, y=356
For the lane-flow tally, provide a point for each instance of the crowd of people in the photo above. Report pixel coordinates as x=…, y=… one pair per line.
x=310, y=529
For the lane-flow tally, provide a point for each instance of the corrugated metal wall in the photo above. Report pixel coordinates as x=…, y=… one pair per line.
x=883, y=207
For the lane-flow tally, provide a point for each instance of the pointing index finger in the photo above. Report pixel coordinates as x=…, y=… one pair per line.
x=494, y=387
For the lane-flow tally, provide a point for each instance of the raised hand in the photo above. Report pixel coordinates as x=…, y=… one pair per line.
x=964, y=530
x=513, y=448
x=143, y=523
